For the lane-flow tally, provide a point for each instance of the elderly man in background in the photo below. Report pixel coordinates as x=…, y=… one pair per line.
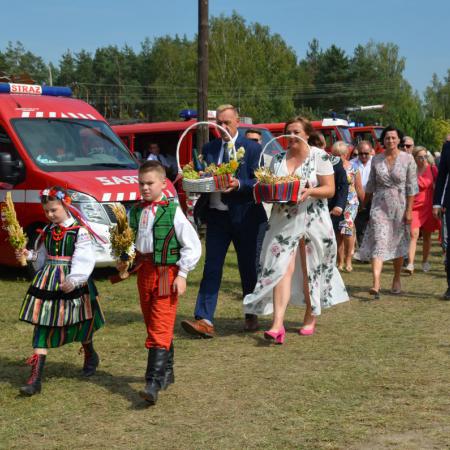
x=407, y=144
x=363, y=163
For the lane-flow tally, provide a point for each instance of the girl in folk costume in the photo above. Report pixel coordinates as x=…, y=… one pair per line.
x=167, y=248
x=61, y=302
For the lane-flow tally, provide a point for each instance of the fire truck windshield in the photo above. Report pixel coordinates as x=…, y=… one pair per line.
x=345, y=133
x=65, y=145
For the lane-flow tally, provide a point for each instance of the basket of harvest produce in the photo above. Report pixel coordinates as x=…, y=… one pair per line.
x=198, y=177
x=272, y=188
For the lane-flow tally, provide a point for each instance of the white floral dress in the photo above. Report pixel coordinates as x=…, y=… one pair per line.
x=288, y=223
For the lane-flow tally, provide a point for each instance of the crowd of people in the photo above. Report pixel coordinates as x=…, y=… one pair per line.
x=380, y=204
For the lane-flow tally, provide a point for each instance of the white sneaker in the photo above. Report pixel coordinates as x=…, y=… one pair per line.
x=356, y=256
x=426, y=266
x=409, y=269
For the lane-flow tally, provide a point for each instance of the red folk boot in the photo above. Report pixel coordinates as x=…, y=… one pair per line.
x=33, y=385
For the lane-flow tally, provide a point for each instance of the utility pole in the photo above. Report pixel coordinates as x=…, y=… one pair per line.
x=202, y=73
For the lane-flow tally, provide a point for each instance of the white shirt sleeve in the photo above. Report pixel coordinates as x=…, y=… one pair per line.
x=83, y=258
x=191, y=248
x=323, y=164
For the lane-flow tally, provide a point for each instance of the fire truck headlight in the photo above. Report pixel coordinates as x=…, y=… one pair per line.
x=90, y=207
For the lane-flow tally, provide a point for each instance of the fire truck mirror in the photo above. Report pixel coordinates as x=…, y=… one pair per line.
x=11, y=171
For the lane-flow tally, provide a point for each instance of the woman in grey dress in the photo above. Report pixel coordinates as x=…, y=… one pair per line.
x=392, y=186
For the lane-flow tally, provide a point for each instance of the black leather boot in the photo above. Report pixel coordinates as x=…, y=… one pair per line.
x=169, y=376
x=33, y=385
x=156, y=369
x=91, y=359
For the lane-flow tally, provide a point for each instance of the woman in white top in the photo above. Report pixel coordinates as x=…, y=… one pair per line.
x=281, y=277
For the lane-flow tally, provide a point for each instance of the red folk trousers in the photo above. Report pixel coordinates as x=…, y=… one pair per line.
x=159, y=311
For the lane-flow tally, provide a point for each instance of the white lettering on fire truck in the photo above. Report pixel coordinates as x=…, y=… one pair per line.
x=110, y=181
x=16, y=88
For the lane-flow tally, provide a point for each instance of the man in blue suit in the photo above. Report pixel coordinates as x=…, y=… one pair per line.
x=441, y=203
x=231, y=216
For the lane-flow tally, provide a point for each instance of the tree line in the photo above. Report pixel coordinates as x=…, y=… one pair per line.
x=252, y=68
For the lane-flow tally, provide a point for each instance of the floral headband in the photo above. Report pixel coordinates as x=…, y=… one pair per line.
x=60, y=195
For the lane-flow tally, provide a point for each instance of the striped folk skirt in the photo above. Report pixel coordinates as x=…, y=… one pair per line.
x=51, y=337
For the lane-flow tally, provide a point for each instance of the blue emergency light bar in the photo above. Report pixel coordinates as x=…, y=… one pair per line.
x=35, y=89
x=188, y=114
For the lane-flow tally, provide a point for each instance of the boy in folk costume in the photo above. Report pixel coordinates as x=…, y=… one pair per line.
x=61, y=302
x=167, y=248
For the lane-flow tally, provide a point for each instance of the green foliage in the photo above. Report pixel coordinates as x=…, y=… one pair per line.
x=252, y=68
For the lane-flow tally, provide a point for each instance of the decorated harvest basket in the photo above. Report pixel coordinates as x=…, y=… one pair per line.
x=206, y=184
x=274, y=189
x=277, y=193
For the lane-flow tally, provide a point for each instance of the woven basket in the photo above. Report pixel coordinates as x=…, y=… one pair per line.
x=207, y=184
x=288, y=192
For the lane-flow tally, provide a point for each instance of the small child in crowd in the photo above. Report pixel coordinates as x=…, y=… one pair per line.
x=62, y=301
x=167, y=248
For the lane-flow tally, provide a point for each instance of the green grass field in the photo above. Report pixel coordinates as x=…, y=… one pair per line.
x=374, y=376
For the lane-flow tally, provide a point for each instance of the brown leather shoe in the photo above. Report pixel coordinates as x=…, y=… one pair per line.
x=198, y=328
x=251, y=323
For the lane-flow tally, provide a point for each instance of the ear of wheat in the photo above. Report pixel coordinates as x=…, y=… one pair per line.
x=16, y=236
x=121, y=237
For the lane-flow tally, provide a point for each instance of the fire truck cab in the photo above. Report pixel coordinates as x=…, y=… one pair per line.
x=371, y=133
x=48, y=138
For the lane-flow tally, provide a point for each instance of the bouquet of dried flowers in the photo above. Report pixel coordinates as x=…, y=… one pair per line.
x=16, y=236
x=121, y=237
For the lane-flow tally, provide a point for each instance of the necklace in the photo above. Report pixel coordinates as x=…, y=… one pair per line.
x=58, y=232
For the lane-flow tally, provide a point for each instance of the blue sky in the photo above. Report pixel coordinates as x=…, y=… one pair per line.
x=420, y=28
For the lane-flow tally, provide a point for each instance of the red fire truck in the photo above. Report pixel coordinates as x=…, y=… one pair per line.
x=48, y=138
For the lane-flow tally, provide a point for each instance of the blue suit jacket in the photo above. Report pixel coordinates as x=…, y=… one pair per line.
x=241, y=200
x=341, y=187
x=442, y=189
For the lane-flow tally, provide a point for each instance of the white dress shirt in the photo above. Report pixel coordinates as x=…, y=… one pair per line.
x=364, y=170
x=191, y=248
x=215, y=198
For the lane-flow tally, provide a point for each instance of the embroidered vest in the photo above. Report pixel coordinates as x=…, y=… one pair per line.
x=64, y=246
x=166, y=248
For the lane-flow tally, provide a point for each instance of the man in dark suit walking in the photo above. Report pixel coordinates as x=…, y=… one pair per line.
x=441, y=203
x=231, y=216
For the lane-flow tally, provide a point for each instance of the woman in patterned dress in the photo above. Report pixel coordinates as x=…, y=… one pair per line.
x=61, y=302
x=280, y=280
x=346, y=234
x=392, y=186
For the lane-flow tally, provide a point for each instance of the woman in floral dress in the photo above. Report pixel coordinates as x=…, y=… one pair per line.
x=392, y=186
x=280, y=280
x=346, y=235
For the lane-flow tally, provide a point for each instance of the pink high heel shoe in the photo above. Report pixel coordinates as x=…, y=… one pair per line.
x=308, y=331
x=277, y=336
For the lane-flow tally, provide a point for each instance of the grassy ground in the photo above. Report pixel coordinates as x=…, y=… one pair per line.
x=374, y=376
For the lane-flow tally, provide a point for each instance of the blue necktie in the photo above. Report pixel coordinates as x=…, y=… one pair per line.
x=226, y=155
